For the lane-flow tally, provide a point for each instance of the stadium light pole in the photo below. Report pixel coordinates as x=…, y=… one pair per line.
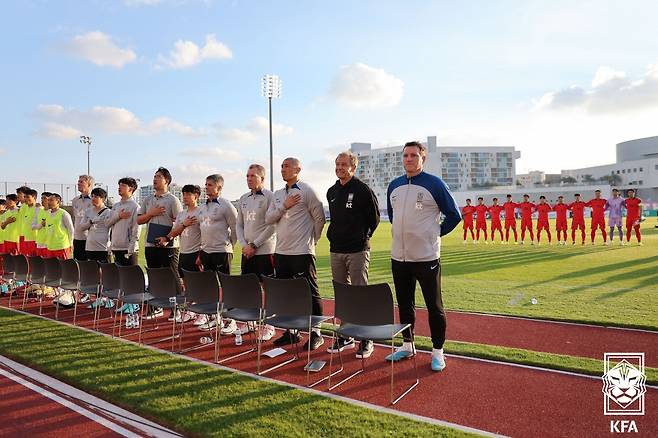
x=271, y=88
x=87, y=140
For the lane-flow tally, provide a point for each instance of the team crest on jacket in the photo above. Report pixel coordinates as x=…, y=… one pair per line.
x=350, y=198
x=419, y=201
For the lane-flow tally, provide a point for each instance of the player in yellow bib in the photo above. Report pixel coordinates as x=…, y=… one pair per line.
x=28, y=236
x=10, y=226
x=59, y=228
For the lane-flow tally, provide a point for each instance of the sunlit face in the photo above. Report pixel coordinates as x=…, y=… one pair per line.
x=542, y=201
x=560, y=200
x=20, y=197
x=344, y=168
x=190, y=199
x=44, y=201
x=412, y=160
x=29, y=200
x=577, y=198
x=631, y=194
x=289, y=170
x=526, y=198
x=468, y=202
x=124, y=190
x=480, y=201
x=83, y=185
x=97, y=201
x=615, y=194
x=509, y=199
x=159, y=181
x=597, y=195
x=495, y=202
x=10, y=204
x=212, y=188
x=53, y=202
x=254, y=180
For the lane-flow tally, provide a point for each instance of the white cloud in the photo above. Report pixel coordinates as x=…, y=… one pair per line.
x=66, y=123
x=100, y=49
x=212, y=152
x=141, y=2
x=257, y=127
x=187, y=54
x=610, y=91
x=361, y=86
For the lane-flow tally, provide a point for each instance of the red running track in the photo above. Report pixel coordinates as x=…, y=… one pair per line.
x=536, y=335
x=26, y=413
x=490, y=396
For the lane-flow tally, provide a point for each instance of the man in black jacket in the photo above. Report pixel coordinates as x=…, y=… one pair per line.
x=354, y=217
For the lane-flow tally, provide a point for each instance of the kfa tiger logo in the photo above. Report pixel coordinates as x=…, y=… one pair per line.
x=624, y=384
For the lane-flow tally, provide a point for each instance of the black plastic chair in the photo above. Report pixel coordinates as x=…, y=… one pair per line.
x=37, y=274
x=165, y=288
x=53, y=277
x=110, y=289
x=133, y=291
x=90, y=278
x=70, y=282
x=368, y=313
x=242, y=300
x=288, y=305
x=202, y=297
x=21, y=273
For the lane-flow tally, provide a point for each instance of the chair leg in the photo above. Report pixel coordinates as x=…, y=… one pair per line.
x=218, y=322
x=75, y=306
x=413, y=385
x=141, y=322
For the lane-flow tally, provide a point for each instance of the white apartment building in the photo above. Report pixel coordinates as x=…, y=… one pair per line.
x=461, y=167
x=636, y=167
x=175, y=189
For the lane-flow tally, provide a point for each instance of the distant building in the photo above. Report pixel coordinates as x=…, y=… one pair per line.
x=175, y=189
x=461, y=167
x=536, y=178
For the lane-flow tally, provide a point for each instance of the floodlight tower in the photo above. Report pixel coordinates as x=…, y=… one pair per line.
x=87, y=140
x=271, y=88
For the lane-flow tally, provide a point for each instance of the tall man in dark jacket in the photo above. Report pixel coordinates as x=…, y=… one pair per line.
x=354, y=217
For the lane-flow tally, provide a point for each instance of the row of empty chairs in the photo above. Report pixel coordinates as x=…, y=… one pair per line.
x=365, y=312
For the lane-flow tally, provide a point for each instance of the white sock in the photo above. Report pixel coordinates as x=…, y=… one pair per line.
x=408, y=346
x=437, y=352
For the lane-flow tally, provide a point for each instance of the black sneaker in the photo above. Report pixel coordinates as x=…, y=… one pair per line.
x=315, y=339
x=365, y=350
x=341, y=344
x=287, y=338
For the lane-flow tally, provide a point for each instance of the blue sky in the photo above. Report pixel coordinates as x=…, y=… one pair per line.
x=176, y=82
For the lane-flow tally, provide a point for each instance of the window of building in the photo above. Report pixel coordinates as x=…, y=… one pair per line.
x=634, y=169
x=623, y=171
x=640, y=169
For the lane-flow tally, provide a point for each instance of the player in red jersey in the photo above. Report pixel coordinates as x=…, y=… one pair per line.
x=633, y=216
x=577, y=218
x=494, y=212
x=510, y=218
x=527, y=208
x=543, y=208
x=467, y=217
x=598, y=206
x=561, y=220
x=481, y=220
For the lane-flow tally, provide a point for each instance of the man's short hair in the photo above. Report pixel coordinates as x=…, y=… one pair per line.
x=630, y=190
x=416, y=144
x=576, y=194
x=560, y=197
x=130, y=182
x=468, y=199
x=22, y=189
x=3, y=201
x=480, y=198
x=32, y=192
x=88, y=178
x=526, y=196
x=597, y=190
x=354, y=160
x=260, y=170
x=494, y=199
x=12, y=197
x=509, y=196
x=615, y=190
x=295, y=161
x=99, y=192
x=217, y=179
x=56, y=196
x=191, y=188
x=542, y=197
x=165, y=173
x=46, y=194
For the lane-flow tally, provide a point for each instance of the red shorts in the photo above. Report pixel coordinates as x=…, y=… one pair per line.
x=11, y=247
x=496, y=226
x=561, y=226
x=577, y=224
x=28, y=248
x=61, y=254
x=2, y=248
x=598, y=222
x=468, y=225
x=629, y=221
x=480, y=225
x=526, y=223
x=42, y=252
x=511, y=223
x=542, y=226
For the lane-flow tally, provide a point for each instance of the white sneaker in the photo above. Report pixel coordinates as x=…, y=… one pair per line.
x=185, y=316
x=135, y=321
x=267, y=333
x=464, y=242
x=605, y=243
x=486, y=243
x=201, y=320
x=129, y=321
x=247, y=328
x=229, y=327
x=156, y=313
x=622, y=243
x=210, y=325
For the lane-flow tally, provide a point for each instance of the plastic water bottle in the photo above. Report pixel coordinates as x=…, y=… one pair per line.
x=533, y=301
x=238, y=337
x=205, y=340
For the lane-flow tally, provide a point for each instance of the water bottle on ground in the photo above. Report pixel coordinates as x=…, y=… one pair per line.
x=238, y=338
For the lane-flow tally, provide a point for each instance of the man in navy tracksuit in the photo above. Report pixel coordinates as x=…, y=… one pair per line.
x=415, y=203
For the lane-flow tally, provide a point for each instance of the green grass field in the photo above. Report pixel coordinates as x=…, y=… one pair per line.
x=596, y=284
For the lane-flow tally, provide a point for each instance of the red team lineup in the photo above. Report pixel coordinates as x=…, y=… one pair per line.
x=597, y=207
